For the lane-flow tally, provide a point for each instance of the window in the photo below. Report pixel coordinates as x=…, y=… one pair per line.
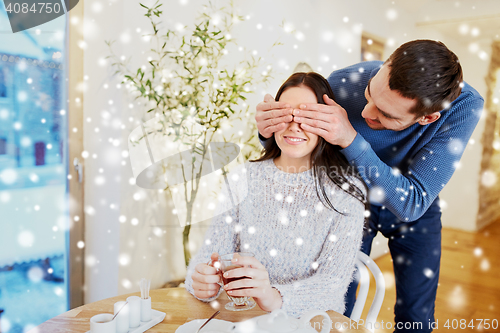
x=3, y=83
x=3, y=146
x=34, y=201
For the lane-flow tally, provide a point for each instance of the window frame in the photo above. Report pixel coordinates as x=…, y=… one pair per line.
x=74, y=65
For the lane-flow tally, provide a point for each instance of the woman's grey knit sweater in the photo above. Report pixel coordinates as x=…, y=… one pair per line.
x=308, y=249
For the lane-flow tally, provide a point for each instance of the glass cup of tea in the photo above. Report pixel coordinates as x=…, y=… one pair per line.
x=225, y=264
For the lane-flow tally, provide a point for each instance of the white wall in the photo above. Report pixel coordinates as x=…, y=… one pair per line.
x=460, y=197
x=148, y=242
x=102, y=202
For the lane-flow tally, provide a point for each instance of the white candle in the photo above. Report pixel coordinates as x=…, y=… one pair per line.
x=134, y=304
x=122, y=319
x=146, y=309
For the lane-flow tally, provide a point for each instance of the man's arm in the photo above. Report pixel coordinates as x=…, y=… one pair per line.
x=409, y=196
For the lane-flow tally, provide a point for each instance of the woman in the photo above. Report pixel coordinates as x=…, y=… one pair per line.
x=303, y=220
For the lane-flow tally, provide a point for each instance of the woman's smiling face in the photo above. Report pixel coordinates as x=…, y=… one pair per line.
x=293, y=141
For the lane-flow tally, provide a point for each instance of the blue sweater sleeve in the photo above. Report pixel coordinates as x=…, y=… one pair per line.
x=409, y=196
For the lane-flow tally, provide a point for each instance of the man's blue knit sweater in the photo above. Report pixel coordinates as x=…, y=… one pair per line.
x=405, y=169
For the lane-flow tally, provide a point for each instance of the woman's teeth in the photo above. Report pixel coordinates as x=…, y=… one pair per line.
x=295, y=139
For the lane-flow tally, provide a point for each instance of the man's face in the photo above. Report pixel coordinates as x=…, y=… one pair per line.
x=386, y=108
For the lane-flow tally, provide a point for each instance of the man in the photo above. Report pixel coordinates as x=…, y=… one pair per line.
x=404, y=125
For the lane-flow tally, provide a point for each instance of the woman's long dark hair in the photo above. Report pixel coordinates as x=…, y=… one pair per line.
x=326, y=159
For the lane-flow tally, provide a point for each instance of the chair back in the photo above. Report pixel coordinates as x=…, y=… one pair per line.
x=362, y=263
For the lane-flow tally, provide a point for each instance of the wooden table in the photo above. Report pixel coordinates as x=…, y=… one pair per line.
x=177, y=303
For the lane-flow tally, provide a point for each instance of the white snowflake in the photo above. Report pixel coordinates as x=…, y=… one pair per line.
x=428, y=273
x=485, y=265
x=124, y=259
x=488, y=178
x=8, y=176
x=26, y=238
x=376, y=194
x=354, y=77
x=34, y=177
x=90, y=261
x=126, y=284
x=456, y=146
x=391, y=14
x=58, y=291
x=496, y=144
x=35, y=274
x=443, y=204
x=457, y=299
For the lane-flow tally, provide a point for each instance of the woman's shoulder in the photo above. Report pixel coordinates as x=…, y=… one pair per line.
x=265, y=167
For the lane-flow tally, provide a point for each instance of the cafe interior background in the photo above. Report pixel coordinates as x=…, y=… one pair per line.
x=65, y=241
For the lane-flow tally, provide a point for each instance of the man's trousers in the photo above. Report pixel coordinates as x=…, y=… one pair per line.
x=416, y=252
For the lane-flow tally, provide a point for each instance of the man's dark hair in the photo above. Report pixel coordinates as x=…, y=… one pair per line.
x=427, y=71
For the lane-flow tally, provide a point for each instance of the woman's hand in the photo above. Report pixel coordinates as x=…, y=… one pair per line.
x=206, y=279
x=255, y=285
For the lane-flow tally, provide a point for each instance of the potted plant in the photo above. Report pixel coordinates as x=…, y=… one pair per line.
x=190, y=82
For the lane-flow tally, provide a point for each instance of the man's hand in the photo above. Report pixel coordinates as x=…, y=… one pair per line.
x=255, y=283
x=328, y=121
x=206, y=279
x=272, y=116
